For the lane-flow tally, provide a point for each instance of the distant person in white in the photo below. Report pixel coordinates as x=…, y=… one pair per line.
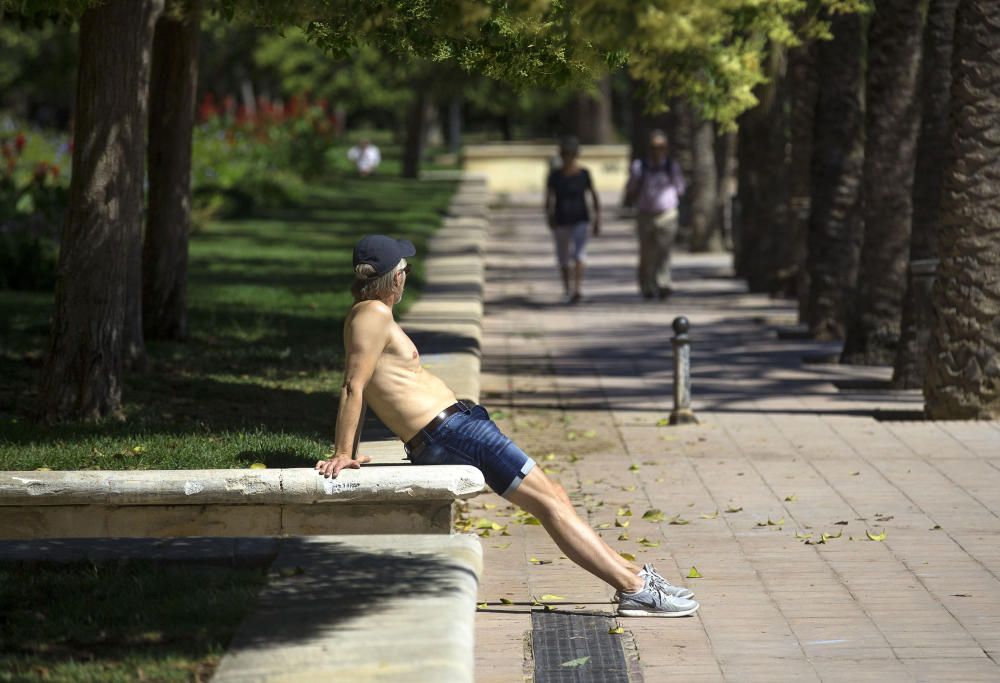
x=365, y=156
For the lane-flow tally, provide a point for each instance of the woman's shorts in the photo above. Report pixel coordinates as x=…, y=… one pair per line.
x=571, y=243
x=470, y=437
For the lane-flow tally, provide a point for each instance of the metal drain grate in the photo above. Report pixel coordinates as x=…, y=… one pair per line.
x=557, y=638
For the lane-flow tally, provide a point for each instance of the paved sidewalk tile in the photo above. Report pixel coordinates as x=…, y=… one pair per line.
x=772, y=497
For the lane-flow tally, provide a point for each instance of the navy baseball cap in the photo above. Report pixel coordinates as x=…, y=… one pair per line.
x=382, y=252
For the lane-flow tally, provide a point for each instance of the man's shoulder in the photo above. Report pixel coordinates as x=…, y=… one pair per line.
x=370, y=313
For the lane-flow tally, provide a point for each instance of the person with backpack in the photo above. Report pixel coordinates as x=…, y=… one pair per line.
x=569, y=218
x=654, y=188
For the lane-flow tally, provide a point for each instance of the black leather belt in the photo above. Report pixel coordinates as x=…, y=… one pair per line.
x=414, y=445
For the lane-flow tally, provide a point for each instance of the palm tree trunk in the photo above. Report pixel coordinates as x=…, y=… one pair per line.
x=704, y=185
x=835, y=178
x=747, y=227
x=171, y=119
x=891, y=124
x=963, y=366
x=762, y=181
x=83, y=368
x=932, y=143
x=680, y=132
x=802, y=87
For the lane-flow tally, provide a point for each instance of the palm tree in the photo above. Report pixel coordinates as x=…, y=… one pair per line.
x=762, y=186
x=963, y=365
x=838, y=152
x=932, y=142
x=802, y=88
x=891, y=123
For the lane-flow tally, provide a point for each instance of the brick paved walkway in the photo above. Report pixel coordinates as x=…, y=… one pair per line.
x=583, y=390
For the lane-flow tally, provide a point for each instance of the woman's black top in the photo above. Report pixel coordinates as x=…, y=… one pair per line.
x=570, y=192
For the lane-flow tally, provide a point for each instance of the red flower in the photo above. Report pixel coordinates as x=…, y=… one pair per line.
x=207, y=109
x=19, y=142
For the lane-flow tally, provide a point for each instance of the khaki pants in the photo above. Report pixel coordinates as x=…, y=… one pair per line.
x=656, y=235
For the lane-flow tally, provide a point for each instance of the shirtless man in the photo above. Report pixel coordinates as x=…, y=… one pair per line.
x=383, y=369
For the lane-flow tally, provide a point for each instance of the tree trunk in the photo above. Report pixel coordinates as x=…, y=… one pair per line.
x=750, y=148
x=802, y=88
x=679, y=123
x=834, y=237
x=891, y=123
x=773, y=270
x=762, y=182
x=932, y=144
x=704, y=185
x=171, y=119
x=455, y=125
x=963, y=367
x=589, y=115
x=725, y=164
x=83, y=368
x=416, y=124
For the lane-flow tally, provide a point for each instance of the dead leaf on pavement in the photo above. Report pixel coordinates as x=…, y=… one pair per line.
x=653, y=515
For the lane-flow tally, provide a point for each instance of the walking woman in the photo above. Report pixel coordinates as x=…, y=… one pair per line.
x=569, y=217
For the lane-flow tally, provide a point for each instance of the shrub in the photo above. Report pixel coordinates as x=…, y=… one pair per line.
x=27, y=260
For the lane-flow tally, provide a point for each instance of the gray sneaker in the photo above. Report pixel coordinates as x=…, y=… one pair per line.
x=653, y=602
x=660, y=582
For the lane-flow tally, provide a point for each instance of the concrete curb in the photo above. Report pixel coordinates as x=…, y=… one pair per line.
x=397, y=609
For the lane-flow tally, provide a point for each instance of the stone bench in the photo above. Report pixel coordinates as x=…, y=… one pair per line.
x=280, y=502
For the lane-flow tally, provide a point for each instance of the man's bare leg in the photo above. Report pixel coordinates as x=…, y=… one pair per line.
x=547, y=501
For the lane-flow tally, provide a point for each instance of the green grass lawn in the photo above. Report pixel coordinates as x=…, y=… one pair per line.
x=131, y=621
x=259, y=378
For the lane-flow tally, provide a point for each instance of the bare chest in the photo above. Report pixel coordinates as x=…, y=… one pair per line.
x=401, y=352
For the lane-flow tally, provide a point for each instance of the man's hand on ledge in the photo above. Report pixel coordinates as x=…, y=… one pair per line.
x=332, y=466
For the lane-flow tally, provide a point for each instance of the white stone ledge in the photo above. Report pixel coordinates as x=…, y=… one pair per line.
x=373, y=484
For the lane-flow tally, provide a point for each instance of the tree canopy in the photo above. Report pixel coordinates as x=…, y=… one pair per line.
x=710, y=52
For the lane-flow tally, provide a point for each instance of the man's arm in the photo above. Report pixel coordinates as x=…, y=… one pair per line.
x=679, y=179
x=365, y=340
x=630, y=197
x=597, y=204
x=550, y=203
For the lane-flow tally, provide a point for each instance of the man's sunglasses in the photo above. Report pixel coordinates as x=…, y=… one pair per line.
x=406, y=269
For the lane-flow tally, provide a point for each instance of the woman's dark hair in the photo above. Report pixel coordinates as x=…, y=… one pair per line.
x=569, y=145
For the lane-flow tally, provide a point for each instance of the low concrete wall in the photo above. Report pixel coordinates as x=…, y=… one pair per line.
x=162, y=503
x=518, y=169
x=363, y=609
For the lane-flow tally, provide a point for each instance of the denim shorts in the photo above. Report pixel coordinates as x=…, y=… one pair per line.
x=470, y=437
x=571, y=243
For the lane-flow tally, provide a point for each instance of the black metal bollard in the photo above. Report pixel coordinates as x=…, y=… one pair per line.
x=682, y=413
